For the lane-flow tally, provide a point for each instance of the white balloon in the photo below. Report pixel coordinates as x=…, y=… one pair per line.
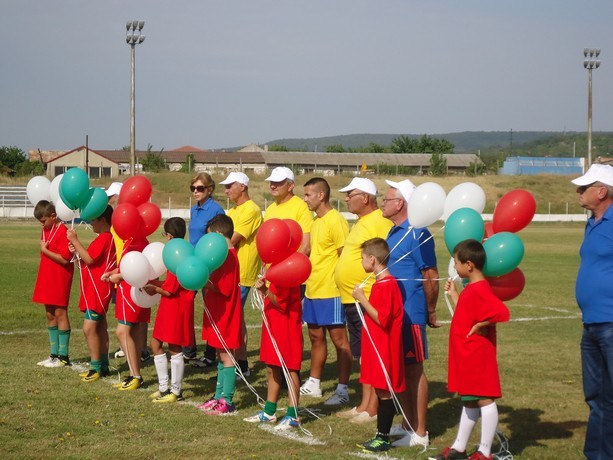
x=153, y=253
x=135, y=269
x=426, y=204
x=54, y=189
x=64, y=212
x=142, y=299
x=451, y=269
x=464, y=195
x=38, y=189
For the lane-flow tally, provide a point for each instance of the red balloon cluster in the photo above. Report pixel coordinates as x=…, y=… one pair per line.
x=509, y=286
x=135, y=217
x=277, y=241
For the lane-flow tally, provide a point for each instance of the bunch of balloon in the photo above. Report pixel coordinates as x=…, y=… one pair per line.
x=135, y=217
x=138, y=268
x=75, y=192
x=40, y=188
x=278, y=241
x=426, y=204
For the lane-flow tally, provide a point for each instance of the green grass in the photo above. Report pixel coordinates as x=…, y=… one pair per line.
x=49, y=413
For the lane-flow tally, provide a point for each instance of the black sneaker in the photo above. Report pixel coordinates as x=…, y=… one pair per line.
x=65, y=361
x=202, y=362
x=145, y=356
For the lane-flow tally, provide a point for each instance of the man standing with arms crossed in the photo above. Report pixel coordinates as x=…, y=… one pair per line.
x=322, y=308
x=412, y=259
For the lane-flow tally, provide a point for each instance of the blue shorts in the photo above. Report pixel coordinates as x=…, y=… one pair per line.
x=323, y=312
x=415, y=343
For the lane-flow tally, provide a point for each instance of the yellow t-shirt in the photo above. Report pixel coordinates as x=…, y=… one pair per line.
x=349, y=270
x=295, y=209
x=247, y=218
x=119, y=244
x=328, y=234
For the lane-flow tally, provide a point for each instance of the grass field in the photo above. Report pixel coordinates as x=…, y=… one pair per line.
x=49, y=413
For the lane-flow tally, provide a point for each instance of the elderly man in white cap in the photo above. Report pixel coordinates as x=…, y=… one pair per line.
x=287, y=205
x=594, y=293
x=247, y=218
x=361, y=199
x=412, y=259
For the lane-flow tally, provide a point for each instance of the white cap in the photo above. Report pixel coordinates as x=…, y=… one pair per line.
x=239, y=177
x=596, y=173
x=406, y=188
x=280, y=173
x=114, y=189
x=363, y=184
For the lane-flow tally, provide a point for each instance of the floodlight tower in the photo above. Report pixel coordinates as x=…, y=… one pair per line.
x=590, y=62
x=134, y=37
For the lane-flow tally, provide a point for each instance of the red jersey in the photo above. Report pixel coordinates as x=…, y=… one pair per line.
x=174, y=322
x=54, y=281
x=95, y=293
x=125, y=308
x=386, y=298
x=224, y=306
x=285, y=323
x=473, y=368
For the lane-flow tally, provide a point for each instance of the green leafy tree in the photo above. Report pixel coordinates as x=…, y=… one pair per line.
x=153, y=161
x=438, y=165
x=336, y=148
x=375, y=148
x=188, y=166
x=403, y=144
x=476, y=168
x=30, y=168
x=277, y=148
x=10, y=157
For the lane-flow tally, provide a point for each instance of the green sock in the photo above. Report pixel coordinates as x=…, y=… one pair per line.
x=104, y=362
x=95, y=365
x=229, y=383
x=220, y=381
x=270, y=408
x=63, y=340
x=291, y=411
x=53, y=340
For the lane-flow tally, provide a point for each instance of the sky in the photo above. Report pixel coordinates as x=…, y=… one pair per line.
x=215, y=74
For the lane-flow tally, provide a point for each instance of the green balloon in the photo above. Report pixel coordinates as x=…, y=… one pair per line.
x=504, y=251
x=193, y=273
x=213, y=249
x=96, y=205
x=74, y=188
x=463, y=224
x=175, y=252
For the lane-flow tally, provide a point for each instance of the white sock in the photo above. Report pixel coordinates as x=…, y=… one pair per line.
x=177, y=368
x=468, y=420
x=161, y=367
x=342, y=389
x=489, y=423
x=314, y=382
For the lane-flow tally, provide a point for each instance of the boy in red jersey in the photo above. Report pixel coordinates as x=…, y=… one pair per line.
x=98, y=258
x=473, y=368
x=383, y=320
x=53, y=282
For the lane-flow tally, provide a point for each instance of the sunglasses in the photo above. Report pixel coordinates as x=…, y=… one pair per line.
x=198, y=188
x=583, y=188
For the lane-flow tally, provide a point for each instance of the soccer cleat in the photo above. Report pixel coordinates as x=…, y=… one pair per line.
x=119, y=353
x=412, y=440
x=449, y=454
x=337, y=399
x=145, y=356
x=84, y=374
x=91, y=376
x=44, y=362
x=131, y=383
x=202, y=362
x=166, y=397
x=287, y=423
x=310, y=390
x=120, y=384
x=105, y=373
x=477, y=455
x=348, y=413
x=261, y=417
x=222, y=408
x=54, y=362
x=376, y=444
x=64, y=361
x=207, y=405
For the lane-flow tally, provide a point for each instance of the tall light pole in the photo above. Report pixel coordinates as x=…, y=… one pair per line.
x=590, y=62
x=133, y=37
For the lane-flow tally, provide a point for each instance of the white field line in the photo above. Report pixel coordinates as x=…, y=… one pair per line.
x=292, y=434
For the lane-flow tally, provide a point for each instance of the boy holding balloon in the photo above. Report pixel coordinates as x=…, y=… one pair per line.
x=473, y=369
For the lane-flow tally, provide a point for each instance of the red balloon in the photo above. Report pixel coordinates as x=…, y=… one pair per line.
x=151, y=215
x=509, y=286
x=489, y=230
x=127, y=222
x=293, y=271
x=136, y=190
x=296, y=234
x=272, y=240
x=514, y=211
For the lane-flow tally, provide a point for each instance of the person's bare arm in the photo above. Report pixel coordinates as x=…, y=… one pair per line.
x=430, y=276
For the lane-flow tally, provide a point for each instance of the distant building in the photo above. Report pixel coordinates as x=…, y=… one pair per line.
x=527, y=166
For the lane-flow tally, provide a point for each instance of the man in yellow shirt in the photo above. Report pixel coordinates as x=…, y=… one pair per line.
x=247, y=218
x=361, y=199
x=322, y=308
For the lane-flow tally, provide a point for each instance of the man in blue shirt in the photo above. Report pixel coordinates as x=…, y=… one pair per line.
x=594, y=294
x=413, y=263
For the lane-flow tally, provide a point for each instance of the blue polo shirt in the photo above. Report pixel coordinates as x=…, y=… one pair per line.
x=199, y=219
x=594, y=288
x=410, y=268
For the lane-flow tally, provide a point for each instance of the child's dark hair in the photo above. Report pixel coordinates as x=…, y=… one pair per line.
x=175, y=226
x=43, y=209
x=377, y=247
x=107, y=215
x=470, y=250
x=221, y=223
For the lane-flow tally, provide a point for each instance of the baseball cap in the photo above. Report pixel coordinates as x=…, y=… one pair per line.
x=362, y=184
x=280, y=173
x=114, y=189
x=596, y=173
x=405, y=187
x=239, y=177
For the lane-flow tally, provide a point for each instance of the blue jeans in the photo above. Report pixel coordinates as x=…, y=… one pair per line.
x=597, y=364
x=244, y=294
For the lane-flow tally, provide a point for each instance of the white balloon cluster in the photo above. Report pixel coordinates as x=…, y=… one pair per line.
x=40, y=188
x=137, y=268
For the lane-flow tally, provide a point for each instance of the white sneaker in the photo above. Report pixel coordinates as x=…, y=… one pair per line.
x=337, y=399
x=261, y=417
x=54, y=362
x=44, y=361
x=348, y=413
x=310, y=390
x=119, y=354
x=411, y=440
x=363, y=417
x=398, y=430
